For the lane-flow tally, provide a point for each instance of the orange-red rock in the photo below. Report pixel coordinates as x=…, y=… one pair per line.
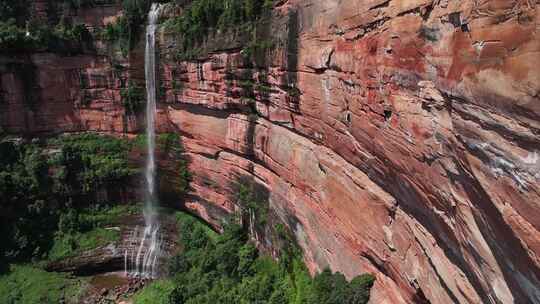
x=412, y=150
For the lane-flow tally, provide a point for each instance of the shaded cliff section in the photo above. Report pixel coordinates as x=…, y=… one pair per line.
x=394, y=137
x=58, y=85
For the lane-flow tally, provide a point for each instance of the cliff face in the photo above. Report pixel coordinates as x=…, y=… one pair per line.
x=394, y=137
x=46, y=92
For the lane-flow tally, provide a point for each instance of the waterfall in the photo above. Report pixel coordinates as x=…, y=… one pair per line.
x=150, y=245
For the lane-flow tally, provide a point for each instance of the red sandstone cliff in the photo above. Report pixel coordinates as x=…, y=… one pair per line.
x=395, y=137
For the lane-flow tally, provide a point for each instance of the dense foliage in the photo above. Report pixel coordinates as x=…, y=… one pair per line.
x=252, y=198
x=119, y=33
x=204, y=16
x=89, y=161
x=40, y=181
x=56, y=193
x=157, y=292
x=170, y=143
x=19, y=31
x=28, y=285
x=227, y=268
x=125, y=31
x=133, y=97
x=82, y=229
x=26, y=210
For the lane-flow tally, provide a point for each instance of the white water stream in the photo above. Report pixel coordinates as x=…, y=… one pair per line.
x=144, y=259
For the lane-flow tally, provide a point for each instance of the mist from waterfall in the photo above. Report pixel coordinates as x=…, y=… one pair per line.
x=144, y=258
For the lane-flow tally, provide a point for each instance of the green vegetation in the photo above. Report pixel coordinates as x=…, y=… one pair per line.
x=253, y=201
x=71, y=244
x=40, y=181
x=89, y=161
x=126, y=31
x=27, y=213
x=256, y=48
x=81, y=230
x=101, y=215
x=28, y=285
x=171, y=144
x=55, y=192
x=133, y=97
x=22, y=32
x=227, y=268
x=203, y=17
x=157, y=292
x=119, y=33
x=35, y=35
x=177, y=172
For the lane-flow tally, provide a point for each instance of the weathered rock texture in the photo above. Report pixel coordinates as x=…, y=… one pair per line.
x=394, y=137
x=48, y=92
x=118, y=255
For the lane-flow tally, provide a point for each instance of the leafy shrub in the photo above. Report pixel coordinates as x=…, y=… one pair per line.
x=22, y=32
x=177, y=173
x=82, y=229
x=127, y=29
x=120, y=33
x=89, y=161
x=27, y=216
x=204, y=16
x=11, y=36
x=133, y=97
x=100, y=215
x=68, y=244
x=157, y=292
x=39, y=182
x=27, y=285
x=253, y=201
x=227, y=268
x=40, y=36
x=75, y=33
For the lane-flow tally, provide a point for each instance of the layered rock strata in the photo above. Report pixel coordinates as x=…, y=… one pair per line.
x=394, y=137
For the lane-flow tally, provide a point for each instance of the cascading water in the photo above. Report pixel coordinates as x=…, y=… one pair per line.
x=144, y=259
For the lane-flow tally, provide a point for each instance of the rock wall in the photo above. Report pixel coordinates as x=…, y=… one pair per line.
x=46, y=92
x=394, y=137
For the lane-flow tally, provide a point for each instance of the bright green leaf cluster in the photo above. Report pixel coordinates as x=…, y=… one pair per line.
x=28, y=285
x=203, y=16
x=227, y=268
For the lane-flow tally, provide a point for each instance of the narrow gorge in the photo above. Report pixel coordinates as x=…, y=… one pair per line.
x=347, y=151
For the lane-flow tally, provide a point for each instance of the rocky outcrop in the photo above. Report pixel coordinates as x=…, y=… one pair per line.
x=122, y=253
x=394, y=137
x=410, y=150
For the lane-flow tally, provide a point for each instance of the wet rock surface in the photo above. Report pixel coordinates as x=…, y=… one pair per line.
x=121, y=255
x=112, y=288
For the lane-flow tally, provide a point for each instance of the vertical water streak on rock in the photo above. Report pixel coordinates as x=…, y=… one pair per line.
x=149, y=248
x=138, y=269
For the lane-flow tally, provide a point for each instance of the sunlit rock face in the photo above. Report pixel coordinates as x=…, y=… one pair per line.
x=395, y=137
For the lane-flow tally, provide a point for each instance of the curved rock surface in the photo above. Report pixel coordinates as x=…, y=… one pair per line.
x=121, y=254
x=395, y=137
